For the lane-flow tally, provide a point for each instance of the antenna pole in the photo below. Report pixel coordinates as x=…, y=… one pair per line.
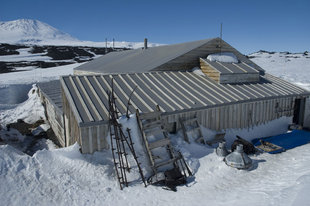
x=221, y=34
x=106, y=45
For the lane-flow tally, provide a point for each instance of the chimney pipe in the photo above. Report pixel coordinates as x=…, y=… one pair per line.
x=145, y=43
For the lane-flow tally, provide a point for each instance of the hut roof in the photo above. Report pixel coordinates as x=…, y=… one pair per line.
x=52, y=91
x=232, y=68
x=145, y=60
x=139, y=60
x=174, y=92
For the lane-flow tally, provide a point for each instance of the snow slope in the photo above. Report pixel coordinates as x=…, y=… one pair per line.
x=28, y=31
x=15, y=84
x=64, y=176
x=293, y=67
x=36, y=75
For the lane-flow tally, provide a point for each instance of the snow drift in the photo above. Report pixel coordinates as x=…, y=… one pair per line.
x=226, y=57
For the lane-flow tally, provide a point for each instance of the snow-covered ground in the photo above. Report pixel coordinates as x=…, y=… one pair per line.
x=66, y=177
x=25, y=55
x=36, y=75
x=293, y=67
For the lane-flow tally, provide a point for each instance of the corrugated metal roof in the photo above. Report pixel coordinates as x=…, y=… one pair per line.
x=52, y=91
x=139, y=60
x=232, y=68
x=172, y=91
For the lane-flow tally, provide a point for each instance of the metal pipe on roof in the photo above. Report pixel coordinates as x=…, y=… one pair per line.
x=145, y=43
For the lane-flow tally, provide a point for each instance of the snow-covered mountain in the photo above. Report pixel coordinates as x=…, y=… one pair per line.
x=28, y=31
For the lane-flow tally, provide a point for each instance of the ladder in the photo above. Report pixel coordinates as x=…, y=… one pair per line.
x=191, y=126
x=161, y=154
x=118, y=146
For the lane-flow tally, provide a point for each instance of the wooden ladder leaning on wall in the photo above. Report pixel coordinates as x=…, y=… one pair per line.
x=161, y=154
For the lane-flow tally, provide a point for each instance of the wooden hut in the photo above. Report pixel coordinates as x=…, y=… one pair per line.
x=229, y=95
x=179, y=95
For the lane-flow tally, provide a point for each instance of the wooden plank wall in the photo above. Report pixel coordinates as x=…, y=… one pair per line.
x=243, y=115
x=55, y=118
x=90, y=138
x=73, y=130
x=94, y=138
x=209, y=71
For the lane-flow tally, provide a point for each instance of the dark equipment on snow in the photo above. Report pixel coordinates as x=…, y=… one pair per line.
x=169, y=179
x=248, y=147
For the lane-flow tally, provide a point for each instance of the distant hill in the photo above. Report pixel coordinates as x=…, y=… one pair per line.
x=28, y=31
x=34, y=32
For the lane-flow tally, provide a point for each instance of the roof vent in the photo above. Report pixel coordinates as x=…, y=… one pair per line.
x=145, y=43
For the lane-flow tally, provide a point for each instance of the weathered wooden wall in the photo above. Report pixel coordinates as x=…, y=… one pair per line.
x=72, y=129
x=209, y=71
x=91, y=138
x=94, y=138
x=54, y=117
x=242, y=115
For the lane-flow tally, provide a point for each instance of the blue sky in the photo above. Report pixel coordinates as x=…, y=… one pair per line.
x=247, y=25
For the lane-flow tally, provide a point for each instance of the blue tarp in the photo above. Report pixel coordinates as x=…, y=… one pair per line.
x=288, y=140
